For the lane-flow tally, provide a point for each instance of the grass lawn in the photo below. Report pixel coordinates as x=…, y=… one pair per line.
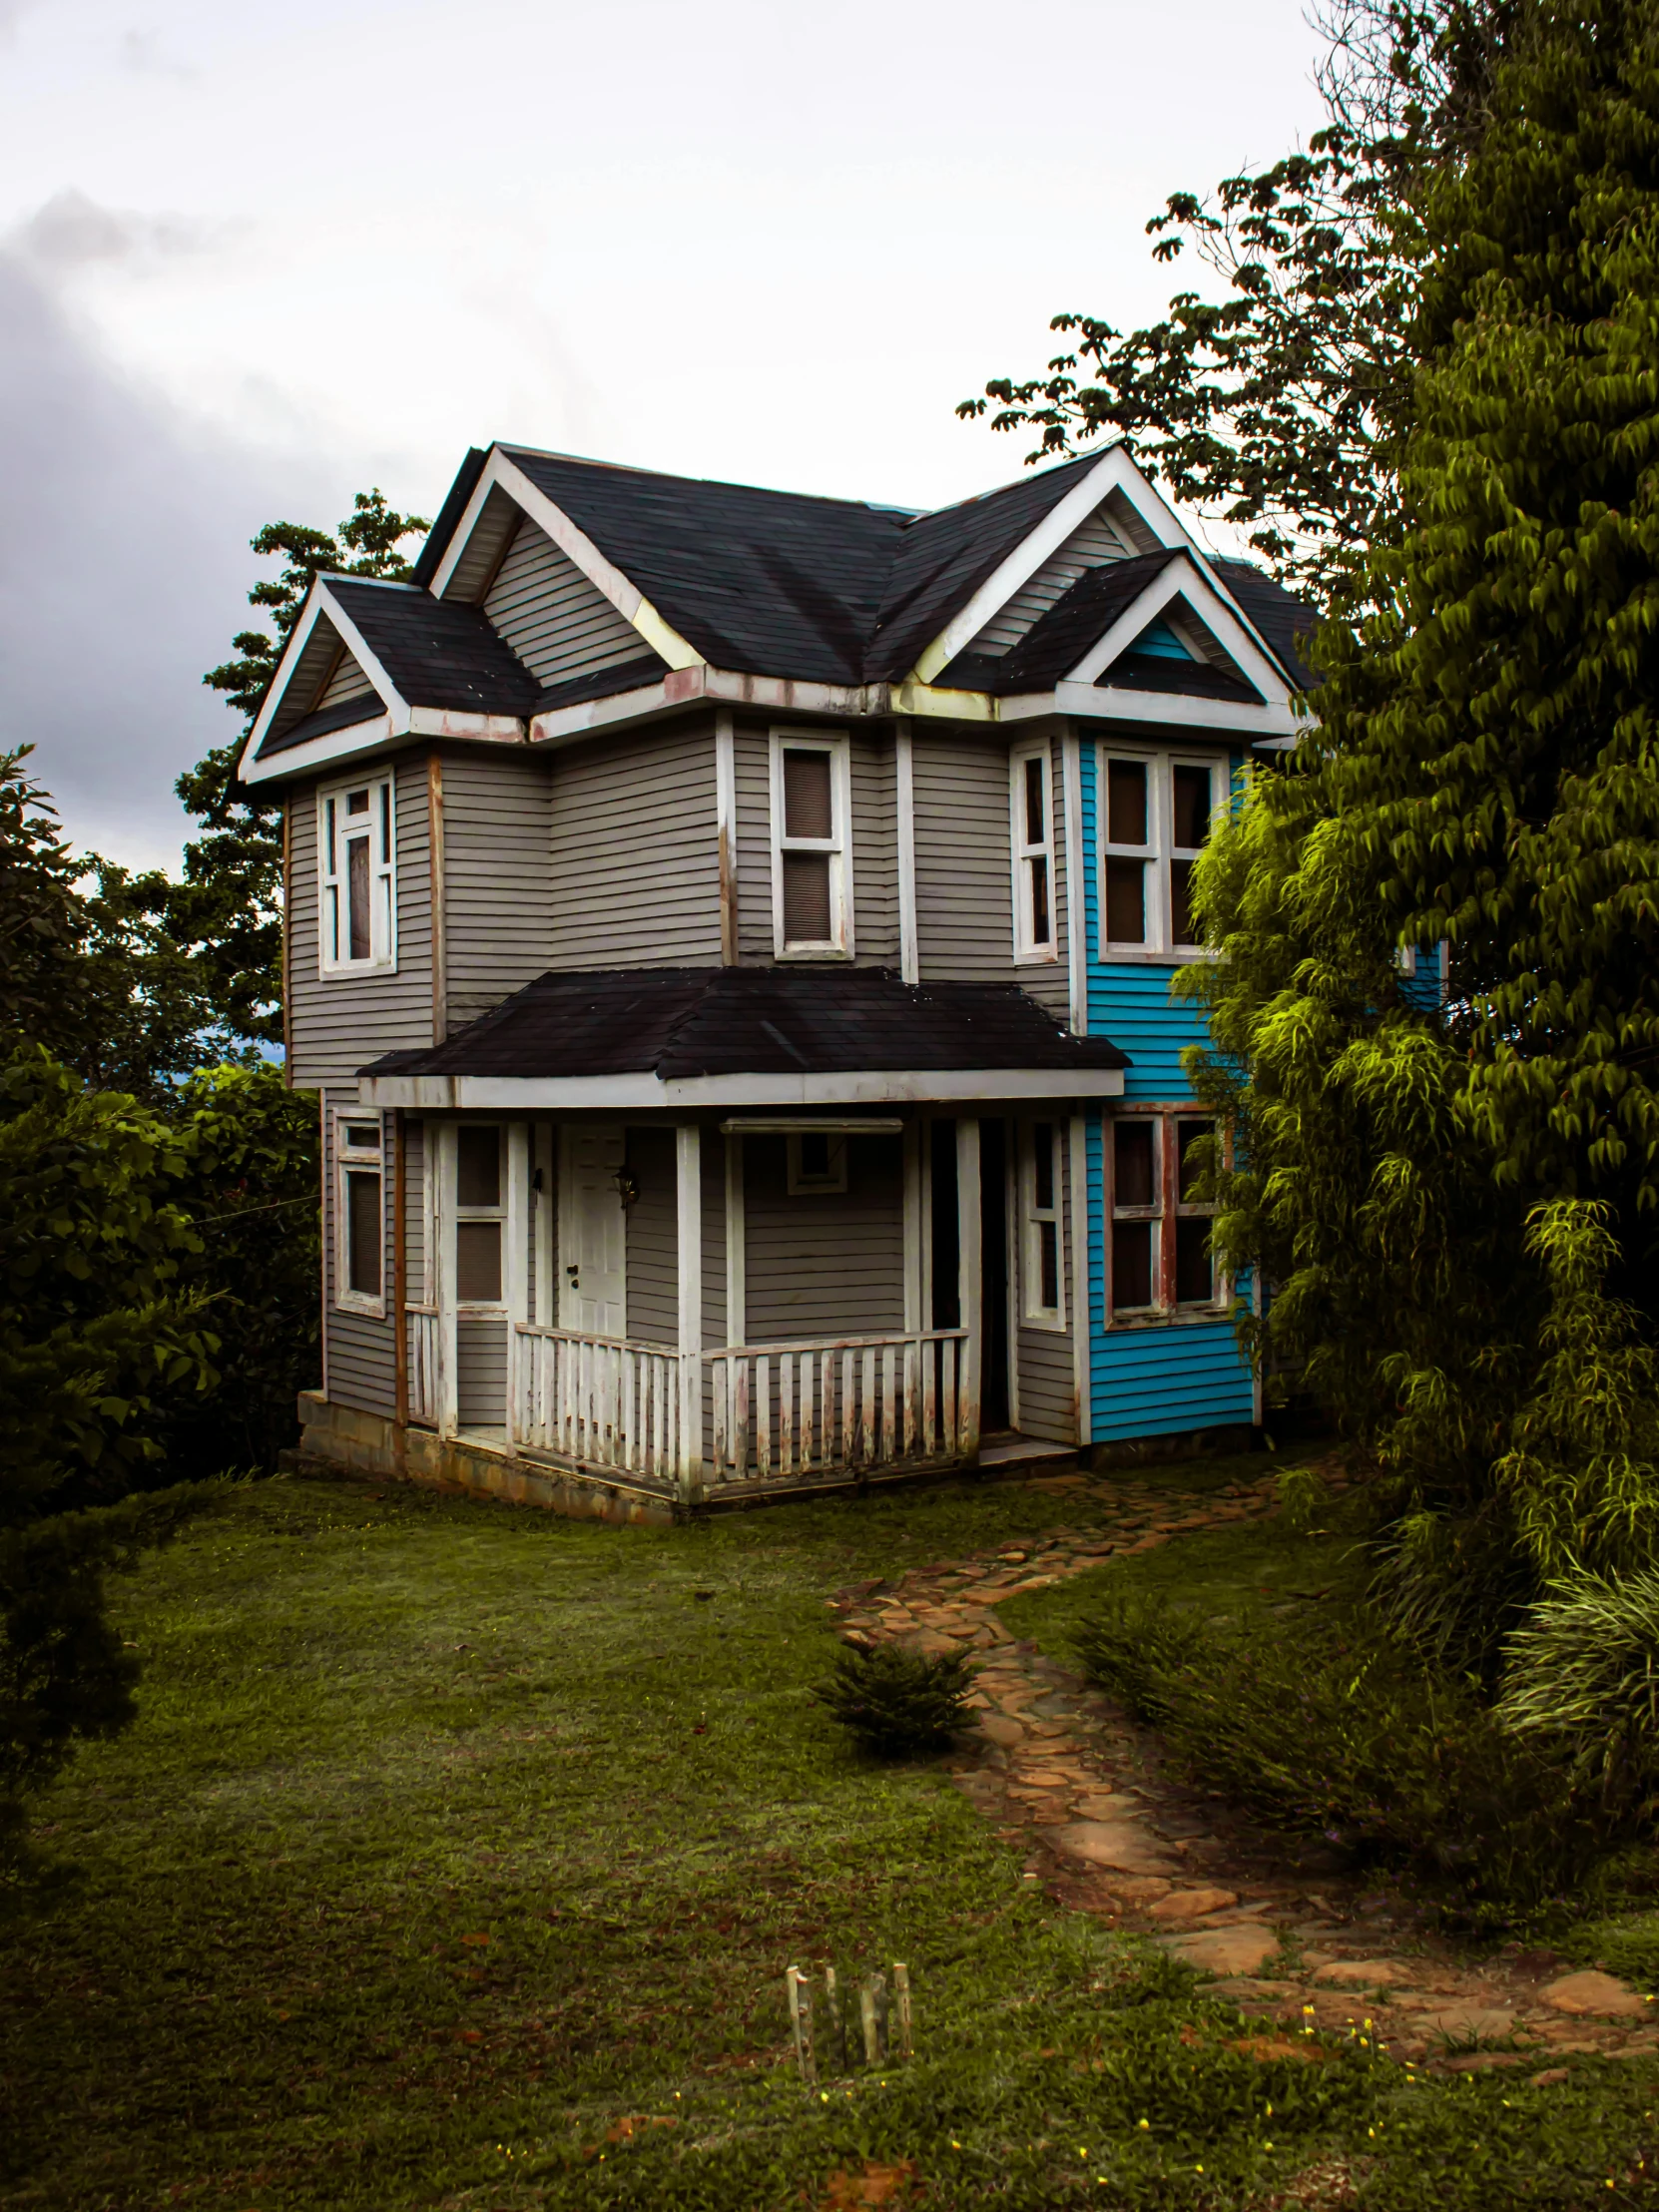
x=458, y=1853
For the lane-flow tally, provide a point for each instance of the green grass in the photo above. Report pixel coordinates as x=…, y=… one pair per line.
x=452, y=1836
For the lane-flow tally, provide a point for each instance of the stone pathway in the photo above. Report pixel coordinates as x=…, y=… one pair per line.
x=1109, y=1830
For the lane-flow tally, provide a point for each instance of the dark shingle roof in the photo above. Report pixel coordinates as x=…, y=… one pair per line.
x=682, y=1022
x=1284, y=620
x=437, y=651
x=1052, y=647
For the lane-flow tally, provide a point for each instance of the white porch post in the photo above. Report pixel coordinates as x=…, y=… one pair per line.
x=515, y=1268
x=970, y=1269
x=444, y=1334
x=688, y=1192
x=1078, y=1170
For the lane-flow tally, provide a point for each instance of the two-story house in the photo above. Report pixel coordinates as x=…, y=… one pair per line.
x=730, y=934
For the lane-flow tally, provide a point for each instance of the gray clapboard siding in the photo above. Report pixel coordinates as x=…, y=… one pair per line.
x=554, y=618
x=498, y=520
x=653, y=1241
x=964, y=865
x=482, y=1370
x=825, y=1267
x=634, y=852
x=1046, y=1359
x=339, y=1023
x=348, y=682
x=1092, y=545
x=361, y=1356
x=498, y=903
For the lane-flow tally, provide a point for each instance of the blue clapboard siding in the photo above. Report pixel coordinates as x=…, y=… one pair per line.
x=1425, y=988
x=1155, y=1382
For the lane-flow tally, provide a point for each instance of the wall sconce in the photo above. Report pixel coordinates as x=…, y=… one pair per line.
x=627, y=1186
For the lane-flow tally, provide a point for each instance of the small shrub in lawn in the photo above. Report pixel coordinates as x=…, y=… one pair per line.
x=896, y=1701
x=1582, y=1683
x=1361, y=1743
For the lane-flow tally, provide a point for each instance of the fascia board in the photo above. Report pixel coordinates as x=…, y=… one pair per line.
x=1175, y=710
x=602, y=1093
x=461, y=722
x=1181, y=581
x=626, y=597
x=685, y=687
x=270, y=706
x=367, y=737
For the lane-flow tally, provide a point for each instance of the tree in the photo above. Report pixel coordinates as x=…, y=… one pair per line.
x=225, y=913
x=1275, y=407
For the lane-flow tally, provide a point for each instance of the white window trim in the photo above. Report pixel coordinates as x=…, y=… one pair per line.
x=1027, y=952
x=347, y=1157
x=840, y=943
x=1119, y=1316
x=1166, y=1208
x=381, y=826
x=834, y=1185
x=1161, y=763
x=1032, y=1314
x=497, y=1212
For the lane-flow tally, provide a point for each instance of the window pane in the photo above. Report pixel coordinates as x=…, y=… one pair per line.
x=1036, y=829
x=479, y=1262
x=356, y=879
x=1042, y=1166
x=1131, y=1263
x=1195, y=1281
x=1187, y=1135
x=1048, y=1253
x=356, y=803
x=385, y=821
x=806, y=796
x=1126, y=802
x=363, y=1231
x=1133, y=1179
x=805, y=899
x=815, y=1155
x=478, y=1166
x=1039, y=898
x=1126, y=902
x=1182, y=928
x=1191, y=807
x=362, y=1136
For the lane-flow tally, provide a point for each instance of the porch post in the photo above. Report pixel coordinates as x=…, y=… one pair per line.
x=1077, y=1164
x=446, y=1341
x=688, y=1154
x=515, y=1272
x=399, y=1294
x=971, y=1282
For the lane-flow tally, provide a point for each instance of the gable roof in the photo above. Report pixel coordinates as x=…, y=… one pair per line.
x=436, y=652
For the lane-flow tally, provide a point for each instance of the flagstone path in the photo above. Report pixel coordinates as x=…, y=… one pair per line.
x=1110, y=1830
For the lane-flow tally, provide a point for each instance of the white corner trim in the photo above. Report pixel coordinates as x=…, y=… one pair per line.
x=909, y=950
x=1078, y=1164
x=1178, y=581
x=507, y=1094
x=1077, y=944
x=626, y=597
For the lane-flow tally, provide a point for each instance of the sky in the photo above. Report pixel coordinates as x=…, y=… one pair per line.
x=253, y=259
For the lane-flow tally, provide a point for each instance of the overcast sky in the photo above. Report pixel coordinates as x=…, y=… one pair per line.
x=255, y=256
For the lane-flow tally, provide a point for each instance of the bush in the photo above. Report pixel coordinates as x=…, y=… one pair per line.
x=1582, y=1684
x=1361, y=1744
x=898, y=1702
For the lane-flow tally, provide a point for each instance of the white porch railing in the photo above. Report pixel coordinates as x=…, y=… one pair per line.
x=607, y=1402
x=827, y=1409
x=422, y=1322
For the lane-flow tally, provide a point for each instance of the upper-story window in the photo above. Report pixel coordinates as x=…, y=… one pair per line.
x=1155, y=811
x=359, y=1213
x=811, y=845
x=357, y=874
x=1032, y=809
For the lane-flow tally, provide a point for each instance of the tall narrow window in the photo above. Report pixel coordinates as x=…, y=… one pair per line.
x=811, y=863
x=1043, y=1297
x=1130, y=848
x=359, y=1214
x=1033, y=833
x=356, y=877
x=1192, y=803
x=480, y=1213
x=1195, y=1269
x=1136, y=1244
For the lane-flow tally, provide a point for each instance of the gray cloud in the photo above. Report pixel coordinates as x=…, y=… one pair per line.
x=123, y=562
x=69, y=230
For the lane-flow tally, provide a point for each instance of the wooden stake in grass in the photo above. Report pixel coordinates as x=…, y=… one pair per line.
x=871, y=2006
x=800, y=2016
x=837, y=2024
x=901, y=2007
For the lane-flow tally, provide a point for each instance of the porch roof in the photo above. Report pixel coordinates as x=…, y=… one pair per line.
x=763, y=1035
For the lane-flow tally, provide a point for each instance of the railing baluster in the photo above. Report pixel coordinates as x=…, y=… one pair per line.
x=890, y=1431
x=740, y=1417
x=850, y=1412
x=867, y=1409
x=763, y=1416
x=786, y=1414
x=910, y=1356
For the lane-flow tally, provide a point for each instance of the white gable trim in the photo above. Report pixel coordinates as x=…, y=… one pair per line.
x=1182, y=579
x=627, y=598
x=1115, y=471
x=287, y=668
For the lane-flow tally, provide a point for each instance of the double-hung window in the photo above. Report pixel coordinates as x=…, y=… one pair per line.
x=357, y=874
x=480, y=1213
x=1161, y=1263
x=1042, y=1298
x=359, y=1214
x=812, y=840
x=1032, y=823
x=1155, y=815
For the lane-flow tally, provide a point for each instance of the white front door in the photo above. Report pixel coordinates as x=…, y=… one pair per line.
x=593, y=1246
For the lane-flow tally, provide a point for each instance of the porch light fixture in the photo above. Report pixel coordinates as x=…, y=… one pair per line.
x=627, y=1186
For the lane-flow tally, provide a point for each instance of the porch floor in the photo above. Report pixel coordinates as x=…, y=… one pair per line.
x=1006, y=1447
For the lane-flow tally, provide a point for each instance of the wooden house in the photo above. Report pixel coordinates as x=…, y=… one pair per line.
x=729, y=937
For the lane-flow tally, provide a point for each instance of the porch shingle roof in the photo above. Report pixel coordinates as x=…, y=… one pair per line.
x=676, y=1024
